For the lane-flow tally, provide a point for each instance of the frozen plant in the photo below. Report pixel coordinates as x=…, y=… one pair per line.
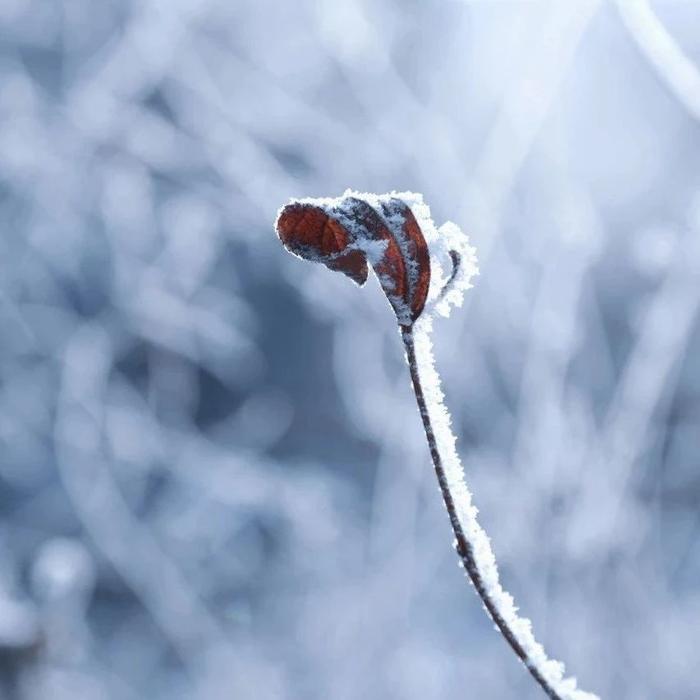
x=423, y=271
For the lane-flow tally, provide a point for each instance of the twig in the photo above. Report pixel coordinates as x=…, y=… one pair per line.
x=464, y=547
x=674, y=68
x=358, y=221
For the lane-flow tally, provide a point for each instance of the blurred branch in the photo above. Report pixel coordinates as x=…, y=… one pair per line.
x=678, y=72
x=525, y=107
x=131, y=548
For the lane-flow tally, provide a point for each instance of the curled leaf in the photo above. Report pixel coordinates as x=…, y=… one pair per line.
x=311, y=233
x=414, y=251
x=390, y=232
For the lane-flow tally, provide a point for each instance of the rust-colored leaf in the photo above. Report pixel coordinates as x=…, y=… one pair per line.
x=309, y=232
x=416, y=255
x=347, y=233
x=390, y=267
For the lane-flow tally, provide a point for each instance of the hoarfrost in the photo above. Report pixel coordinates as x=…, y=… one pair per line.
x=452, y=258
x=551, y=670
x=450, y=264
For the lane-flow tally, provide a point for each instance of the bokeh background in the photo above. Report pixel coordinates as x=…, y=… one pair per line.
x=213, y=482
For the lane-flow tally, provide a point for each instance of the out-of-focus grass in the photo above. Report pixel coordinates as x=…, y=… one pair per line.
x=212, y=482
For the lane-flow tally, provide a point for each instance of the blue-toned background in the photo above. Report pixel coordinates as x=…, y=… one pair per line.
x=213, y=482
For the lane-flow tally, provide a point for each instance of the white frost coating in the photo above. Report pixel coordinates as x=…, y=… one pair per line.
x=551, y=670
x=452, y=266
x=447, y=286
x=451, y=238
x=373, y=250
x=441, y=241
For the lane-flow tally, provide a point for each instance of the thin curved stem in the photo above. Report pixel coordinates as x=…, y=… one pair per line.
x=456, y=262
x=464, y=547
x=456, y=259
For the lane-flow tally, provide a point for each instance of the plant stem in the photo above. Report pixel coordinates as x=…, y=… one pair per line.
x=464, y=547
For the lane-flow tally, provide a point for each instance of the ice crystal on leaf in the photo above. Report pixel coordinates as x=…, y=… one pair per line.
x=416, y=264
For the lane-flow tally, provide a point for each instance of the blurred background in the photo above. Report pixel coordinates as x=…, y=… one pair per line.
x=213, y=480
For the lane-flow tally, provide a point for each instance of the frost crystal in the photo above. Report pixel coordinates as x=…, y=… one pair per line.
x=551, y=670
x=447, y=281
x=414, y=262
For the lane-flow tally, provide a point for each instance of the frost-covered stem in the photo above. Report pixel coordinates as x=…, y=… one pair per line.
x=456, y=264
x=464, y=547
